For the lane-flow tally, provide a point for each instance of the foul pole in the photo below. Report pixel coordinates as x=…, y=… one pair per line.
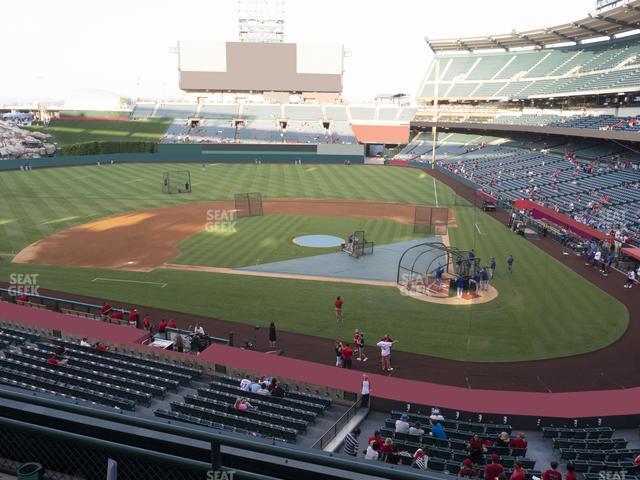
x=434, y=130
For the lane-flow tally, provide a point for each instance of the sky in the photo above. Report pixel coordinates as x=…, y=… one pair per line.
x=52, y=50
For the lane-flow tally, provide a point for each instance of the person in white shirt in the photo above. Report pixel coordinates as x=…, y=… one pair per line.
x=245, y=383
x=385, y=352
x=631, y=277
x=198, y=330
x=402, y=424
x=263, y=390
x=372, y=452
x=365, y=391
x=436, y=415
x=416, y=429
x=84, y=343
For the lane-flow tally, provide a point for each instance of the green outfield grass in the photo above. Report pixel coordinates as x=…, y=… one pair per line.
x=544, y=309
x=67, y=132
x=259, y=240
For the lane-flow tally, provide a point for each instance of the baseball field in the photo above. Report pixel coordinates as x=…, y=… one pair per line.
x=543, y=310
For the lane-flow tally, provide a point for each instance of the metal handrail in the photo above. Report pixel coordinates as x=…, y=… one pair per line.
x=333, y=431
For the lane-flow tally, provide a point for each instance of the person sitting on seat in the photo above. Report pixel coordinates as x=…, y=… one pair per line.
x=263, y=390
x=402, y=424
x=245, y=383
x=84, y=342
x=53, y=360
x=278, y=391
x=519, y=441
x=242, y=405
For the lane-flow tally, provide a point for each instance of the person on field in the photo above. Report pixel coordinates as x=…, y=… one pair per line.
x=510, y=264
x=347, y=355
x=338, y=304
x=358, y=341
x=272, y=335
x=385, y=352
x=492, y=267
x=338, y=349
x=459, y=286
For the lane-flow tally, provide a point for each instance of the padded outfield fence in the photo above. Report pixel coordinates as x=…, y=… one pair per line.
x=432, y=220
x=248, y=204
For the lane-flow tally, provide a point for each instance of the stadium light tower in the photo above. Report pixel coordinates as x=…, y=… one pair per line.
x=261, y=20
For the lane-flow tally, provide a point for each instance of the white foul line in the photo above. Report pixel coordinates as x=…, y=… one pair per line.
x=101, y=279
x=435, y=190
x=478, y=228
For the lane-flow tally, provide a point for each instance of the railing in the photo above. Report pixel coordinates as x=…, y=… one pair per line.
x=209, y=338
x=336, y=427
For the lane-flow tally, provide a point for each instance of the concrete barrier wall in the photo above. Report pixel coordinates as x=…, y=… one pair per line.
x=168, y=153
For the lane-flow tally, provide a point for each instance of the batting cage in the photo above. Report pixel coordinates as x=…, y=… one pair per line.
x=176, y=182
x=361, y=246
x=248, y=204
x=431, y=220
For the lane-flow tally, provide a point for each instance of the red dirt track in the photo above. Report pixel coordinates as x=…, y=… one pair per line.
x=612, y=367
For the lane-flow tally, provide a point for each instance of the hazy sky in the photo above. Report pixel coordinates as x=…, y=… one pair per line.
x=53, y=49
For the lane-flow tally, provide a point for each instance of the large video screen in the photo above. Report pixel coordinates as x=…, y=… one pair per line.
x=257, y=67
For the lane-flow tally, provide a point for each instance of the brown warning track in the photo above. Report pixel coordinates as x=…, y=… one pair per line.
x=612, y=367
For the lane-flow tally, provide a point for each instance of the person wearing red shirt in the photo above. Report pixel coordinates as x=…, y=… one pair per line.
x=52, y=360
x=347, y=353
x=518, y=472
x=172, y=324
x=571, y=472
x=146, y=322
x=338, y=304
x=100, y=346
x=476, y=449
x=162, y=328
x=376, y=437
x=519, y=441
x=467, y=469
x=133, y=318
x=494, y=469
x=552, y=473
x=22, y=298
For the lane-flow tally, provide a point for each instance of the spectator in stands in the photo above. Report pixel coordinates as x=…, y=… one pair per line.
x=437, y=430
x=100, y=346
x=255, y=386
x=571, y=472
x=503, y=440
x=272, y=335
x=420, y=459
x=338, y=349
x=84, y=342
x=162, y=328
x=364, y=391
x=402, y=424
x=146, y=322
x=52, y=360
x=376, y=436
x=133, y=318
x=436, y=415
x=198, y=330
x=476, y=449
x=272, y=384
x=519, y=441
x=263, y=390
x=386, y=448
x=494, y=469
x=385, y=352
x=416, y=429
x=351, y=443
x=518, y=473
x=467, y=469
x=278, y=391
x=171, y=324
x=242, y=405
x=371, y=453
x=552, y=473
x=347, y=355
x=245, y=383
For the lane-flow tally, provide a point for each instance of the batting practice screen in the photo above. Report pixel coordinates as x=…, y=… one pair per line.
x=176, y=182
x=431, y=220
x=248, y=204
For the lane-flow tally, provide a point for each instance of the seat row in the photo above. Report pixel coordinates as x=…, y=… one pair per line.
x=307, y=397
x=577, y=433
x=599, y=455
x=590, y=444
x=238, y=421
x=15, y=336
x=489, y=429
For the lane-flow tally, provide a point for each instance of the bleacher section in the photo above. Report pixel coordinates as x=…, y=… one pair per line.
x=600, y=67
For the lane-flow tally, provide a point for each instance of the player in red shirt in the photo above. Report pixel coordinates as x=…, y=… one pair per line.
x=133, y=318
x=338, y=304
x=162, y=327
x=347, y=353
x=494, y=469
x=146, y=322
x=172, y=324
x=552, y=473
x=518, y=472
x=22, y=298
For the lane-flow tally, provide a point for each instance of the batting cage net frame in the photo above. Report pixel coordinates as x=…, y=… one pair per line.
x=358, y=245
x=418, y=265
x=248, y=204
x=176, y=182
x=431, y=220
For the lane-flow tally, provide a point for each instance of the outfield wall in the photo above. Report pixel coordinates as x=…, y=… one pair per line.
x=208, y=153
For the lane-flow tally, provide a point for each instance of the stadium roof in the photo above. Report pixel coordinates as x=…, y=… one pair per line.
x=605, y=24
